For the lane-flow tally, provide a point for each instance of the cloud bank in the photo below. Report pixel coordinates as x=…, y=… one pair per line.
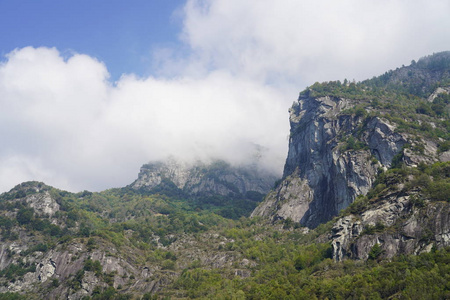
x=63, y=122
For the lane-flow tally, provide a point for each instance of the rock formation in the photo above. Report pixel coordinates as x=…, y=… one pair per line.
x=203, y=179
x=321, y=176
x=396, y=225
x=339, y=140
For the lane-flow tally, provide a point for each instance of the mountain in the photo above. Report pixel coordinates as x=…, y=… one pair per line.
x=59, y=244
x=362, y=211
x=343, y=135
x=217, y=183
x=205, y=179
x=376, y=152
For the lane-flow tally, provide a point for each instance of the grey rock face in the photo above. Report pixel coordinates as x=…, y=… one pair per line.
x=63, y=262
x=320, y=176
x=290, y=199
x=437, y=92
x=152, y=174
x=323, y=174
x=383, y=141
x=43, y=203
x=217, y=177
x=410, y=230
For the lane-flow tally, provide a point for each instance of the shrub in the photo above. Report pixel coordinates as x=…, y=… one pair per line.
x=94, y=266
x=439, y=190
x=359, y=205
x=25, y=215
x=55, y=282
x=375, y=252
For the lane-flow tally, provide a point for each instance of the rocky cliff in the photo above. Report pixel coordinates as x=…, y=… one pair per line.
x=323, y=174
x=343, y=135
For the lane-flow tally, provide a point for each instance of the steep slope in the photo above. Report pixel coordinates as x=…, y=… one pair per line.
x=123, y=242
x=342, y=135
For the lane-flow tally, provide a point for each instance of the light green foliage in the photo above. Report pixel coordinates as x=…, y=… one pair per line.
x=353, y=144
x=309, y=274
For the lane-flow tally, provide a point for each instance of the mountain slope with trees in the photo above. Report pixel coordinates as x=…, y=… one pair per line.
x=382, y=233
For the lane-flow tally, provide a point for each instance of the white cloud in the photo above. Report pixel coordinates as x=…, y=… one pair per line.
x=64, y=123
x=308, y=41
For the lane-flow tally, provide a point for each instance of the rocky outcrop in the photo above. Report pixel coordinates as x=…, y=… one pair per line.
x=62, y=272
x=214, y=178
x=35, y=195
x=153, y=174
x=43, y=204
x=335, y=152
x=437, y=92
x=396, y=225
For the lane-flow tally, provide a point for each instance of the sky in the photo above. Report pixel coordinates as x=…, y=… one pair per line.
x=91, y=90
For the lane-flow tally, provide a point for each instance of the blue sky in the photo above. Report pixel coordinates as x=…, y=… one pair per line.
x=91, y=90
x=120, y=33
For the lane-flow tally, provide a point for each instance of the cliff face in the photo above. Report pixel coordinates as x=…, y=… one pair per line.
x=323, y=173
x=342, y=135
x=205, y=179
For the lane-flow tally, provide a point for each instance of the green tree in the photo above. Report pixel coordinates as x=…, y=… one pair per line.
x=375, y=252
x=25, y=215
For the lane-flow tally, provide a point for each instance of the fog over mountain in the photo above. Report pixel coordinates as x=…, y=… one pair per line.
x=223, y=92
